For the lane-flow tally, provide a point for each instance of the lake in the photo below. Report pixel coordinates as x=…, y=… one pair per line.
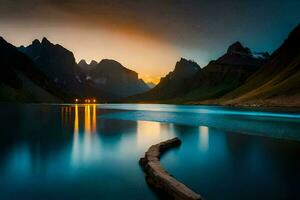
x=92, y=151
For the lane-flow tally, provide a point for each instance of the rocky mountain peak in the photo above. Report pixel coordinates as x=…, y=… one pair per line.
x=93, y=63
x=185, y=66
x=45, y=41
x=237, y=47
x=85, y=66
x=237, y=54
x=36, y=42
x=82, y=62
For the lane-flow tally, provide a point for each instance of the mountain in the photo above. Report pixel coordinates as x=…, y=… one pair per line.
x=93, y=63
x=114, y=77
x=59, y=65
x=172, y=85
x=188, y=83
x=85, y=66
x=151, y=85
x=277, y=82
x=224, y=74
x=21, y=80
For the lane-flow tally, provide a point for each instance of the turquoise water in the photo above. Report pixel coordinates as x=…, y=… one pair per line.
x=92, y=151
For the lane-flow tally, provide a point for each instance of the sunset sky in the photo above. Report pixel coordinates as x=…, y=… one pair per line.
x=149, y=36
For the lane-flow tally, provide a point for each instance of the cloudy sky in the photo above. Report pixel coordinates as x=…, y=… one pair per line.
x=149, y=36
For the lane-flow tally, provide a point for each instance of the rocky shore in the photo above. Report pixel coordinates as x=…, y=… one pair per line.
x=159, y=179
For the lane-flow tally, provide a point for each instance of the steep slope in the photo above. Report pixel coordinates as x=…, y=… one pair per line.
x=59, y=65
x=20, y=80
x=225, y=74
x=277, y=82
x=172, y=85
x=114, y=77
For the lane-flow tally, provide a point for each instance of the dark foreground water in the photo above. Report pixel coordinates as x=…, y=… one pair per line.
x=92, y=151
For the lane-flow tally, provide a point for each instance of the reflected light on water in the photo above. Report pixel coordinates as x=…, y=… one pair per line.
x=66, y=116
x=87, y=131
x=75, y=148
x=87, y=119
x=84, y=148
x=76, y=125
x=94, y=116
x=203, y=138
x=147, y=132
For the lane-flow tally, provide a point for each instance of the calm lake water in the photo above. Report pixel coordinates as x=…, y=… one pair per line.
x=92, y=151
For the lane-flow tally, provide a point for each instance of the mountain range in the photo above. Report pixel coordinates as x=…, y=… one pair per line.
x=59, y=65
x=112, y=76
x=224, y=74
x=240, y=77
x=47, y=72
x=106, y=80
x=188, y=82
x=277, y=82
x=22, y=81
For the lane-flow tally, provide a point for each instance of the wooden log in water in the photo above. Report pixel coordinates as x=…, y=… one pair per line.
x=159, y=179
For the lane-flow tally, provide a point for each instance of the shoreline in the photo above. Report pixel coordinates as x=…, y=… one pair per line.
x=220, y=105
x=275, y=108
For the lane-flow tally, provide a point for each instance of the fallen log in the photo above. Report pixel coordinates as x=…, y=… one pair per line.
x=159, y=179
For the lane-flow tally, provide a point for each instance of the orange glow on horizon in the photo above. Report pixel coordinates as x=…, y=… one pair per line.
x=131, y=47
x=150, y=79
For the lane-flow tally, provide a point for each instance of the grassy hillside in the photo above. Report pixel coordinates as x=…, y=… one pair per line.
x=279, y=78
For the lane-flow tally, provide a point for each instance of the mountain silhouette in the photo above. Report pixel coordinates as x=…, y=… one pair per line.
x=173, y=84
x=277, y=82
x=224, y=74
x=114, y=77
x=60, y=66
x=85, y=66
x=190, y=83
x=46, y=72
x=21, y=80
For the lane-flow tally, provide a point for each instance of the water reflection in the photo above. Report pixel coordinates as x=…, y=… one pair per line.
x=75, y=149
x=76, y=125
x=86, y=155
x=19, y=163
x=87, y=119
x=94, y=123
x=147, y=132
x=66, y=116
x=203, y=138
x=86, y=143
